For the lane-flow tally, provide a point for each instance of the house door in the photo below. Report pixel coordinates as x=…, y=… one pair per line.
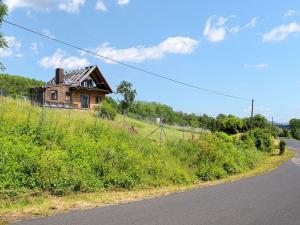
x=85, y=100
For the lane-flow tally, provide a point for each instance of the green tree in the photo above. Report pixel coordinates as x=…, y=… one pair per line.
x=295, y=128
x=231, y=125
x=3, y=43
x=128, y=93
x=17, y=85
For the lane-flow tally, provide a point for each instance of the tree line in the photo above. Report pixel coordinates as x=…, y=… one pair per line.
x=17, y=85
x=229, y=124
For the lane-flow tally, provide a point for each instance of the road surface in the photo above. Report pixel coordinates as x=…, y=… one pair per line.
x=269, y=199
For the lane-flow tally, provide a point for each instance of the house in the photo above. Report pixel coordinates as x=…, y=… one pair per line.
x=80, y=89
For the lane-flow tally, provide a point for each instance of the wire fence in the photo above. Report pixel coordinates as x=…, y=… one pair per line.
x=175, y=126
x=157, y=129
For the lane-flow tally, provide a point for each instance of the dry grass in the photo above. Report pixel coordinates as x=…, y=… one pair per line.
x=48, y=205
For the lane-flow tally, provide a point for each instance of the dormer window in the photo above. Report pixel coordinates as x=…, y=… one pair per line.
x=87, y=83
x=84, y=83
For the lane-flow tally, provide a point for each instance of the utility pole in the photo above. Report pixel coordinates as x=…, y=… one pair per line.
x=252, y=109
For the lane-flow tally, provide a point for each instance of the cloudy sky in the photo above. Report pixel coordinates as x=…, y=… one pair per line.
x=244, y=48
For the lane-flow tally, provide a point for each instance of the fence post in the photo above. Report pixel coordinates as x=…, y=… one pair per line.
x=161, y=133
x=1, y=92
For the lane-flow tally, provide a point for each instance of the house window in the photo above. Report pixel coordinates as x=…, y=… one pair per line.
x=87, y=83
x=54, y=95
x=98, y=99
x=67, y=98
x=84, y=83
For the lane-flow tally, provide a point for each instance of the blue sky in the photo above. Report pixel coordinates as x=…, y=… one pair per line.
x=245, y=48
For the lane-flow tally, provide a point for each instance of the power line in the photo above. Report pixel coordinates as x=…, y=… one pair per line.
x=127, y=65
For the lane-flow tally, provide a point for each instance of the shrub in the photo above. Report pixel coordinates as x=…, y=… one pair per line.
x=107, y=111
x=262, y=139
x=281, y=147
x=284, y=133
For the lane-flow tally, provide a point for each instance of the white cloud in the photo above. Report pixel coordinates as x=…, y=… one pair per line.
x=290, y=13
x=261, y=66
x=235, y=29
x=122, y=2
x=172, y=45
x=222, y=20
x=257, y=66
x=281, y=33
x=100, y=6
x=216, y=32
x=252, y=23
x=61, y=59
x=13, y=49
x=71, y=6
x=48, y=33
x=35, y=4
x=34, y=47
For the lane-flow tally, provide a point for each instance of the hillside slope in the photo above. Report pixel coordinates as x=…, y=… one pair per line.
x=62, y=151
x=17, y=85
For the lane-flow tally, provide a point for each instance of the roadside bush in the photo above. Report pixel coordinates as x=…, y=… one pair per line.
x=107, y=111
x=281, y=147
x=262, y=139
x=284, y=133
x=296, y=134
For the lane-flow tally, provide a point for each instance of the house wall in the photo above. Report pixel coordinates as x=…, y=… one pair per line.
x=61, y=91
x=75, y=96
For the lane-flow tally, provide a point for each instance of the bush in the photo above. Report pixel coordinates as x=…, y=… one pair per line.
x=107, y=111
x=262, y=139
x=285, y=133
x=281, y=147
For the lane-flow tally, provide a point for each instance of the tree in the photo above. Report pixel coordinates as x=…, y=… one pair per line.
x=3, y=43
x=295, y=128
x=231, y=125
x=125, y=89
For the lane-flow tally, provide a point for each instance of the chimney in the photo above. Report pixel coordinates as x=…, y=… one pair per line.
x=59, y=76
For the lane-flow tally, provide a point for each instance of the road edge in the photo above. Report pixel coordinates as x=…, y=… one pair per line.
x=85, y=201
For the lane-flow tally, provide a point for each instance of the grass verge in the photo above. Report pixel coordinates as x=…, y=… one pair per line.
x=44, y=204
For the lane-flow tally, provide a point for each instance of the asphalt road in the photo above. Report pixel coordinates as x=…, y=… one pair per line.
x=269, y=199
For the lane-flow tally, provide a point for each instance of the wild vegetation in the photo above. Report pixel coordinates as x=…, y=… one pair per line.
x=62, y=152
x=229, y=124
x=17, y=85
x=295, y=128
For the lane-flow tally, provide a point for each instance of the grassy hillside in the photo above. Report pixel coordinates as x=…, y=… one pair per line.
x=17, y=85
x=72, y=151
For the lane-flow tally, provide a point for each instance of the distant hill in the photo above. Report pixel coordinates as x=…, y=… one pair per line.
x=17, y=85
x=282, y=125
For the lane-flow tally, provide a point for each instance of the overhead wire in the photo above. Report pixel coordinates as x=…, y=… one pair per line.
x=153, y=74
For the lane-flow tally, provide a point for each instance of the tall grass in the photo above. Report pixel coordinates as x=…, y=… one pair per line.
x=62, y=152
